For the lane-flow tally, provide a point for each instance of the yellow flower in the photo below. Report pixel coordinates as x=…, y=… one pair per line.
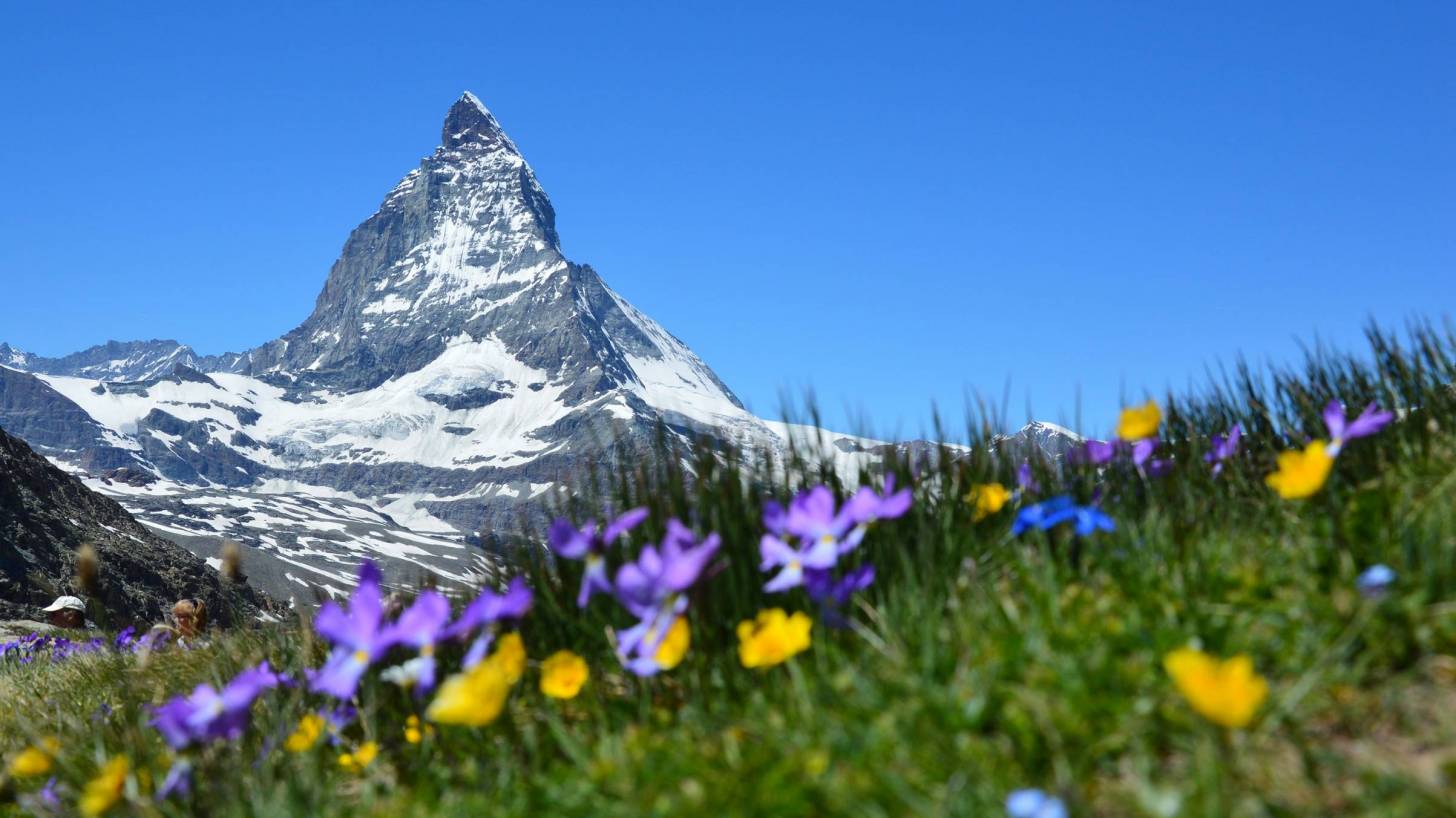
x=1302, y=473
x=772, y=638
x=310, y=728
x=361, y=758
x=562, y=675
x=36, y=759
x=103, y=791
x=414, y=732
x=674, y=645
x=474, y=697
x=988, y=498
x=1225, y=691
x=1138, y=422
x=511, y=656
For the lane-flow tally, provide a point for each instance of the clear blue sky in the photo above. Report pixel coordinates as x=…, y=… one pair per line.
x=891, y=203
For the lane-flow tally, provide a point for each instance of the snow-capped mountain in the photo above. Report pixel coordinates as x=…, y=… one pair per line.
x=455, y=367
x=113, y=360
x=1038, y=436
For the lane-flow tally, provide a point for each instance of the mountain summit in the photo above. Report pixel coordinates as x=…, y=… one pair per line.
x=464, y=250
x=455, y=366
x=469, y=124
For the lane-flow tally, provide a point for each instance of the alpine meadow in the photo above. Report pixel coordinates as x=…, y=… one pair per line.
x=346, y=472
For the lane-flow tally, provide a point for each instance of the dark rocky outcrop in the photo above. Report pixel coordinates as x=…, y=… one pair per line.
x=189, y=453
x=46, y=515
x=474, y=398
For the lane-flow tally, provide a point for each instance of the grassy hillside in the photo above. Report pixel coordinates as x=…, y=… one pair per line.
x=979, y=662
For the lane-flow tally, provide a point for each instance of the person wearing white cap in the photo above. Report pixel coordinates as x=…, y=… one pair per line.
x=67, y=612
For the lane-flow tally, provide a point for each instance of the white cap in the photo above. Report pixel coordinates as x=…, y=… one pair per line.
x=66, y=602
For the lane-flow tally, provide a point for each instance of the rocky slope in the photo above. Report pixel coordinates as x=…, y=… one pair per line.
x=46, y=515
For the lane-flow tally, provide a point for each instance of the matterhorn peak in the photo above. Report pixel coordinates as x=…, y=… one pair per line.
x=470, y=125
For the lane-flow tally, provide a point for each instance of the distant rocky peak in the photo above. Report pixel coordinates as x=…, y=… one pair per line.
x=15, y=358
x=112, y=361
x=470, y=126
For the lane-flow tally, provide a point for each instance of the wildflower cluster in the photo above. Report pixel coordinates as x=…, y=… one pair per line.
x=807, y=544
x=1303, y=472
x=1137, y=443
x=51, y=647
x=653, y=587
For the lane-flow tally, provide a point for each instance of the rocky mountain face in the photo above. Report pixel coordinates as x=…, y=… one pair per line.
x=1038, y=437
x=46, y=515
x=455, y=370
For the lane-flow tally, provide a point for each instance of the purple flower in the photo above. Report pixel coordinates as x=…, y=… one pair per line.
x=484, y=612
x=152, y=640
x=822, y=587
x=1051, y=513
x=812, y=517
x=1143, y=460
x=1374, y=581
x=177, y=782
x=208, y=713
x=657, y=577
x=775, y=518
x=48, y=795
x=820, y=528
x=1025, y=482
x=637, y=646
x=804, y=543
x=358, y=637
x=419, y=627
x=337, y=719
x=866, y=507
x=1223, y=447
x=653, y=588
x=1097, y=452
x=815, y=555
x=1143, y=450
x=1370, y=421
x=45, y=801
x=832, y=594
x=1034, y=804
x=573, y=543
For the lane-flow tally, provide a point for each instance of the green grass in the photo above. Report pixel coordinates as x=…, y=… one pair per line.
x=976, y=665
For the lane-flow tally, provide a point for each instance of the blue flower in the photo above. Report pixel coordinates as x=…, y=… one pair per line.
x=1034, y=804
x=1374, y=581
x=1051, y=513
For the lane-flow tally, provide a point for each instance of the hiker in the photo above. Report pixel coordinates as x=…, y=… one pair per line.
x=190, y=616
x=66, y=612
